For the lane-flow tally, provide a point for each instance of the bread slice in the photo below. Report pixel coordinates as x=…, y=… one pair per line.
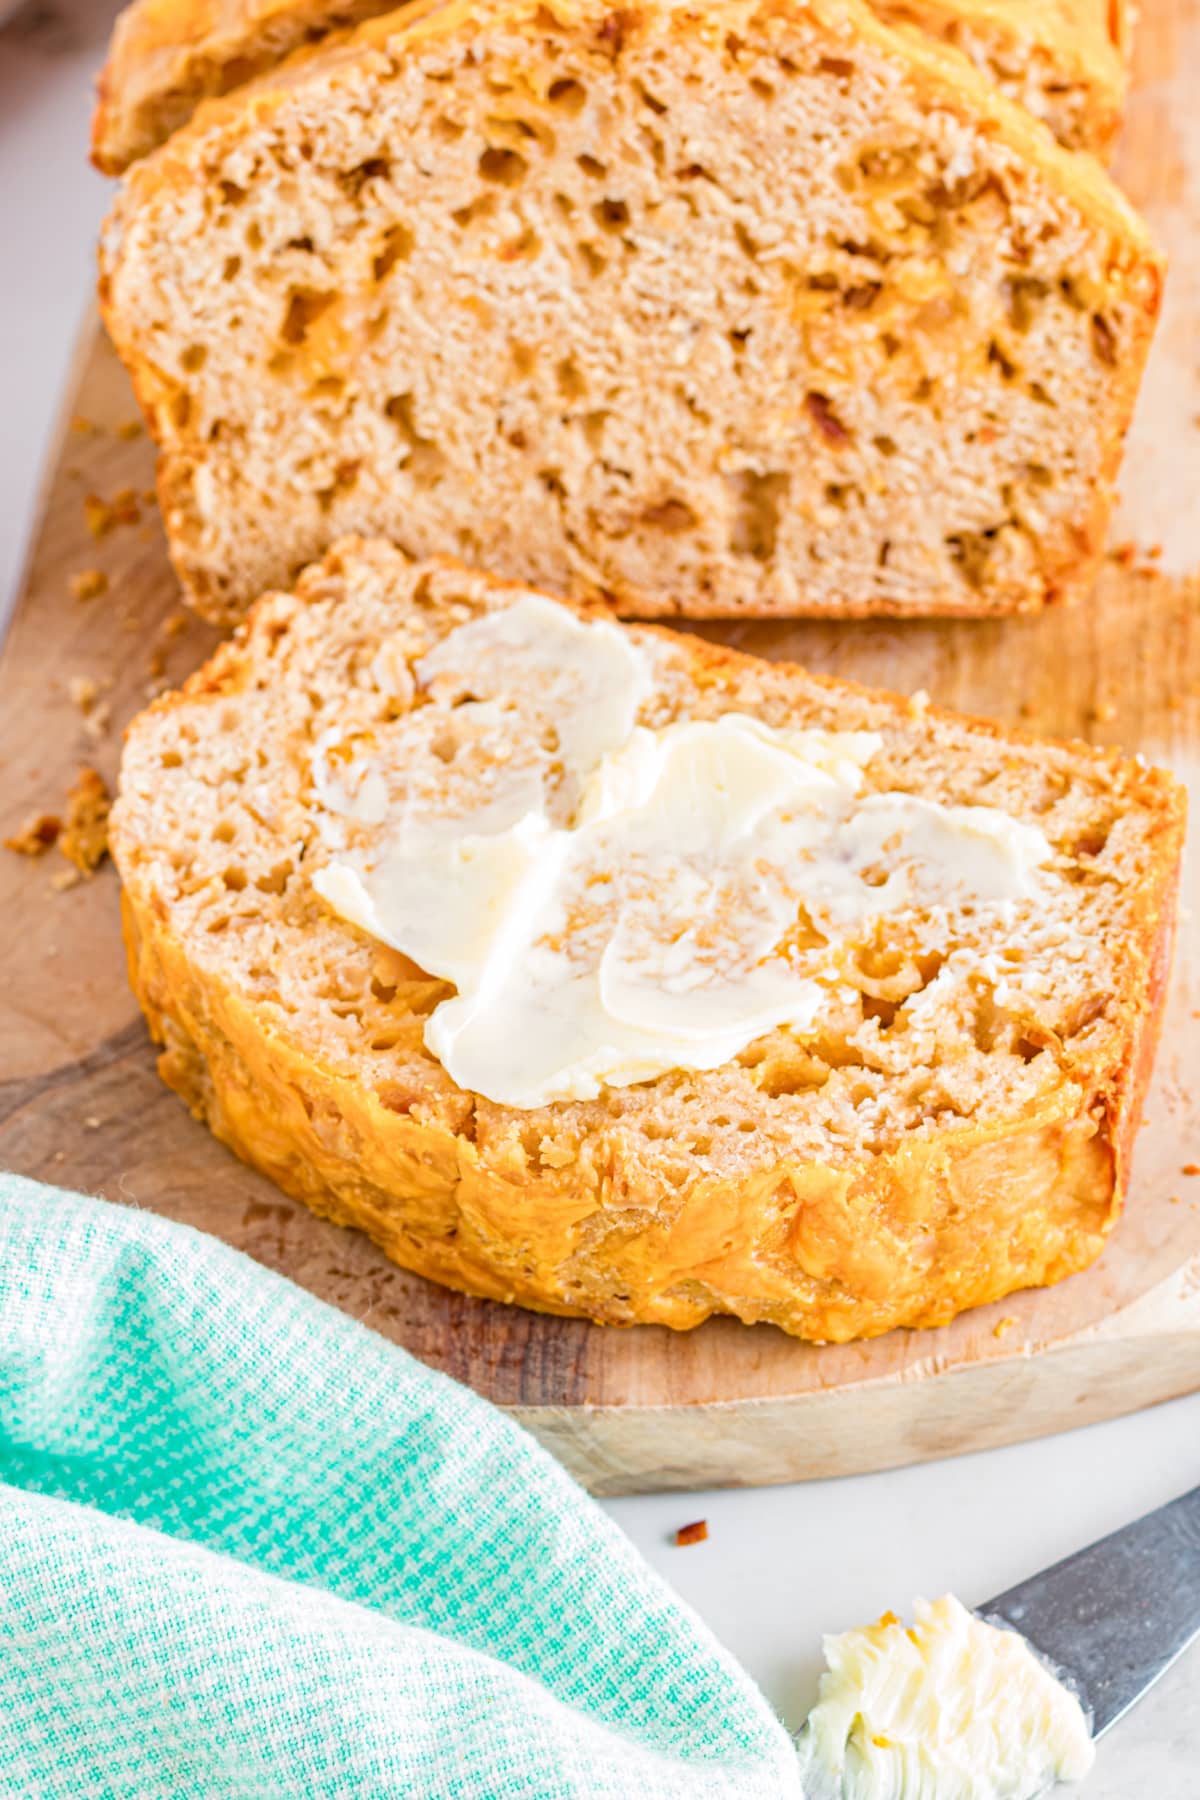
x=1067, y=62
x=764, y=309
x=955, y=1124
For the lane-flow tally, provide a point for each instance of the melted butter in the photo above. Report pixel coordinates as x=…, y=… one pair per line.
x=948, y=1709
x=613, y=902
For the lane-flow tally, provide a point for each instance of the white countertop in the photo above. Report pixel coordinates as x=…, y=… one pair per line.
x=781, y=1565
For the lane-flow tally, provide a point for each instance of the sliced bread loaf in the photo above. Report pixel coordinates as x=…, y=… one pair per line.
x=759, y=308
x=941, y=1110
x=1066, y=62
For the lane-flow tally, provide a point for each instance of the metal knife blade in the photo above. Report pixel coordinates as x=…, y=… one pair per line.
x=1113, y=1617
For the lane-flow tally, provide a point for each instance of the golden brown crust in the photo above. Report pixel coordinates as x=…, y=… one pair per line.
x=1066, y=60
x=828, y=1248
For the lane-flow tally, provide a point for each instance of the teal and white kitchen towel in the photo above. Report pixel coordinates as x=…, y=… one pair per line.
x=250, y=1551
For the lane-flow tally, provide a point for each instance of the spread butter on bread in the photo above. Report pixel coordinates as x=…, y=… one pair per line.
x=765, y=994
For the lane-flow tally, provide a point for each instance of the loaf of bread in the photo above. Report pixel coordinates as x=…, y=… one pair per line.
x=1066, y=61
x=951, y=1120
x=753, y=309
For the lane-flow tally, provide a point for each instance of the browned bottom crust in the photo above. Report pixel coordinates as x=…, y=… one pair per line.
x=935, y=1226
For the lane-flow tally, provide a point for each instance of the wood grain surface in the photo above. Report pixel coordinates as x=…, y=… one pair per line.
x=81, y=1104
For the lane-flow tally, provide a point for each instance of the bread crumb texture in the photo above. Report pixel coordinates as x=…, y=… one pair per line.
x=761, y=309
x=1067, y=61
x=958, y=1126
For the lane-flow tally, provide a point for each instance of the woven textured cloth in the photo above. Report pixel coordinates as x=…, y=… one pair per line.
x=248, y=1549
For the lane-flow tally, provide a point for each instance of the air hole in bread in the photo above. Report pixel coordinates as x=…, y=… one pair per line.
x=758, y=501
x=820, y=410
x=1092, y=842
x=1000, y=359
x=592, y=425
x=375, y=168
x=972, y=552
x=424, y=460
x=670, y=515
x=479, y=208
x=571, y=382
x=567, y=94
x=275, y=880
x=396, y=247
x=234, y=879
x=507, y=168
x=611, y=215
x=1023, y=294
x=231, y=268
x=304, y=307
x=170, y=759
x=592, y=166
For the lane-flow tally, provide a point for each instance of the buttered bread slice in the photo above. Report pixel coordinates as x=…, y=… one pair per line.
x=1066, y=61
x=606, y=971
x=759, y=308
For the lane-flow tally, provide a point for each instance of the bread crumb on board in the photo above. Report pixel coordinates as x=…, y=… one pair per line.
x=98, y=723
x=84, y=836
x=1003, y=1325
x=103, y=516
x=695, y=1533
x=88, y=584
x=84, y=692
x=1190, y=1169
x=36, y=836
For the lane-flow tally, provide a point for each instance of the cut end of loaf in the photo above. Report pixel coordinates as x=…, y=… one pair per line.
x=774, y=311
x=1066, y=66
x=955, y=1129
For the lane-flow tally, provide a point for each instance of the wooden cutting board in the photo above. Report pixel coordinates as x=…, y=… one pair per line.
x=81, y=1104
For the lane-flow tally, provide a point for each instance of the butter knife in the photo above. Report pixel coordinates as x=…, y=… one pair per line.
x=1112, y=1618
